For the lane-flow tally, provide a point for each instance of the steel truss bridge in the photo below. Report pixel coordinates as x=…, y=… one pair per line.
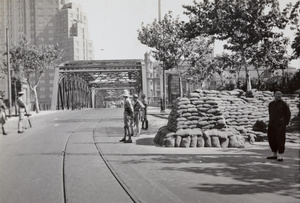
x=79, y=83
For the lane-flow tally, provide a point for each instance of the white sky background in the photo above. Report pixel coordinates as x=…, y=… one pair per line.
x=113, y=25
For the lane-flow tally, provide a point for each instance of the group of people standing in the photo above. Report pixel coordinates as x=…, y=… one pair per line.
x=21, y=112
x=135, y=114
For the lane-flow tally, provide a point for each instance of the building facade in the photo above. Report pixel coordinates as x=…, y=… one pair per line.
x=45, y=22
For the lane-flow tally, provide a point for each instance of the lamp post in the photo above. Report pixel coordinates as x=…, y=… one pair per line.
x=163, y=107
x=8, y=73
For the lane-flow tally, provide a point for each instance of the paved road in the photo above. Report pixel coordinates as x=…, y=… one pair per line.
x=58, y=160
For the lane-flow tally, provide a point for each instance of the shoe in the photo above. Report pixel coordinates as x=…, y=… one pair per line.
x=123, y=140
x=20, y=131
x=128, y=141
x=272, y=157
x=4, y=133
x=280, y=158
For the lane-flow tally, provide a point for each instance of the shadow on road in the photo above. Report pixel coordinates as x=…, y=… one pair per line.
x=248, y=172
x=145, y=141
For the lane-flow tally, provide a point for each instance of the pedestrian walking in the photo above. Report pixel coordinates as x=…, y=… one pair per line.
x=279, y=118
x=138, y=108
x=3, y=117
x=144, y=113
x=128, y=117
x=22, y=110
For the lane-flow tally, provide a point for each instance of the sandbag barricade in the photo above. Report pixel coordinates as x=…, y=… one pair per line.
x=210, y=118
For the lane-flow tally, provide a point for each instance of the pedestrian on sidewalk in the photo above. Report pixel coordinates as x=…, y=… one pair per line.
x=144, y=113
x=3, y=117
x=22, y=110
x=138, y=108
x=128, y=117
x=279, y=118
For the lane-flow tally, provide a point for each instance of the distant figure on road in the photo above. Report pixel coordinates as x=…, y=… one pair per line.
x=144, y=113
x=279, y=118
x=138, y=108
x=3, y=117
x=128, y=117
x=22, y=110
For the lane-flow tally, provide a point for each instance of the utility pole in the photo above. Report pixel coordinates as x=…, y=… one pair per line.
x=163, y=107
x=8, y=72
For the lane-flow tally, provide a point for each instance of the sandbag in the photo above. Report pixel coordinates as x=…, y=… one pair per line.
x=224, y=142
x=233, y=142
x=215, y=142
x=177, y=140
x=185, y=142
x=207, y=141
x=170, y=142
x=200, y=141
x=193, y=141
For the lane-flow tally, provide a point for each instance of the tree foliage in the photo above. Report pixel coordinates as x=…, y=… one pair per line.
x=165, y=37
x=252, y=29
x=30, y=62
x=172, y=49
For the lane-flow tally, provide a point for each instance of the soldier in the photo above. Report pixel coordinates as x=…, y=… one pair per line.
x=22, y=110
x=3, y=117
x=128, y=116
x=138, y=108
x=144, y=113
x=279, y=118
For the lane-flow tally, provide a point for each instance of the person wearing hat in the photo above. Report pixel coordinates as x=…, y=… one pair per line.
x=128, y=115
x=138, y=107
x=22, y=109
x=3, y=117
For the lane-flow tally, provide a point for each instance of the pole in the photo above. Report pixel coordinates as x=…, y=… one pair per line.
x=163, y=107
x=8, y=72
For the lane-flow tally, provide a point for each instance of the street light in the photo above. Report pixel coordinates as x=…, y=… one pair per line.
x=8, y=73
x=163, y=107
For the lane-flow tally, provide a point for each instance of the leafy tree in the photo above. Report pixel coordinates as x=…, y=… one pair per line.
x=165, y=39
x=30, y=62
x=169, y=45
x=242, y=23
x=292, y=13
x=201, y=67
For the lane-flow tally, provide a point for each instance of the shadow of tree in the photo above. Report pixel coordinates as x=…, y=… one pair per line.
x=246, y=173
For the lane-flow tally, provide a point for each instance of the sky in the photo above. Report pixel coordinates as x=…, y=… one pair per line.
x=113, y=25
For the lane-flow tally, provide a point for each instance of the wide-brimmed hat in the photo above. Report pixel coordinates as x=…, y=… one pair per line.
x=126, y=93
x=135, y=96
x=20, y=93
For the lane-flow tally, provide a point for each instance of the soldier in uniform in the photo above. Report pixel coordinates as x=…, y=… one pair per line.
x=138, y=108
x=22, y=111
x=3, y=117
x=144, y=113
x=128, y=116
x=279, y=118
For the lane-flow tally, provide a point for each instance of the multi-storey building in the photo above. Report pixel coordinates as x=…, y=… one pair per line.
x=46, y=22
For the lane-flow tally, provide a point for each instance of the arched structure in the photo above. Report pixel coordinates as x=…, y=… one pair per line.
x=77, y=82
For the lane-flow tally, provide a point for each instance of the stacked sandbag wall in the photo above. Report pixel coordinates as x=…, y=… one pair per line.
x=226, y=113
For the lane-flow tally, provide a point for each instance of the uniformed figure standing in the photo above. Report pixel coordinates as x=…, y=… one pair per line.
x=279, y=118
x=128, y=117
x=138, y=108
x=144, y=113
x=3, y=117
x=22, y=110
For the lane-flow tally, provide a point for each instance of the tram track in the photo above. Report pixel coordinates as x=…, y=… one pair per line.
x=120, y=182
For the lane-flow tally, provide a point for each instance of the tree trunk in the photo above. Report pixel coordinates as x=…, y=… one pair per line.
x=37, y=109
x=258, y=77
x=180, y=86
